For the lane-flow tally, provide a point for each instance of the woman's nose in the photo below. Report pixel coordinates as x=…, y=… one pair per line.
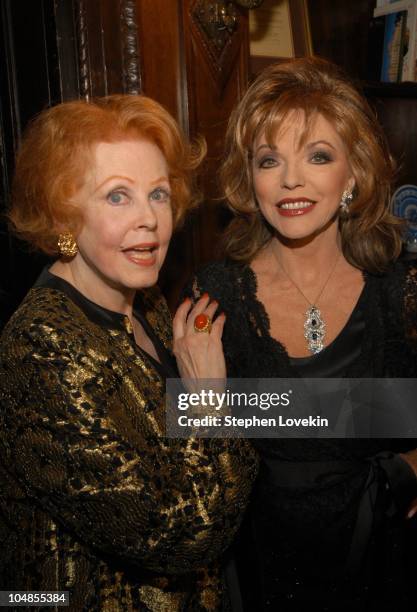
x=292, y=175
x=145, y=215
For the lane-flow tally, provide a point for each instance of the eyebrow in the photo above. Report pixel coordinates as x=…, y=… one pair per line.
x=160, y=179
x=111, y=178
x=310, y=145
x=129, y=180
x=317, y=142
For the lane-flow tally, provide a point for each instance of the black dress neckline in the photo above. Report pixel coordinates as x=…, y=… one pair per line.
x=351, y=365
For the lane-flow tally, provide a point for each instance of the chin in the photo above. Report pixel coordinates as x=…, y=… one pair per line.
x=305, y=233
x=300, y=235
x=146, y=285
x=148, y=280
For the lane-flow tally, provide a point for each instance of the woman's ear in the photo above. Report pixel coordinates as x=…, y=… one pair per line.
x=351, y=185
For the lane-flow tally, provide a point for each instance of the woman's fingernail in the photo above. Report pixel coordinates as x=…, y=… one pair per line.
x=205, y=295
x=186, y=299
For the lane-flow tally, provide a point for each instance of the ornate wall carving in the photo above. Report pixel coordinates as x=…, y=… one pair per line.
x=130, y=53
x=83, y=54
x=217, y=30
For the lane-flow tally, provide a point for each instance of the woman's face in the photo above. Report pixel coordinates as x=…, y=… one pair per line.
x=127, y=212
x=299, y=187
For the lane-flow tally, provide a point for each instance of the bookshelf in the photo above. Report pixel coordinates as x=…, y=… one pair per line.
x=377, y=89
x=340, y=32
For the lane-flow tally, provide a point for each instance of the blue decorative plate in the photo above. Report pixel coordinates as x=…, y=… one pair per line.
x=404, y=204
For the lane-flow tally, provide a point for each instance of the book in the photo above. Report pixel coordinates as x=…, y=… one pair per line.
x=393, y=47
x=407, y=44
x=375, y=46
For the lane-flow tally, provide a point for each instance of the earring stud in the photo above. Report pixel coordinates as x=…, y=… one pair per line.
x=67, y=245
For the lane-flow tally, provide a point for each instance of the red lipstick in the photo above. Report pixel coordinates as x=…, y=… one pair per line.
x=295, y=207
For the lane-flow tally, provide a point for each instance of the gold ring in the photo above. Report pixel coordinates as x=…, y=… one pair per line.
x=202, y=323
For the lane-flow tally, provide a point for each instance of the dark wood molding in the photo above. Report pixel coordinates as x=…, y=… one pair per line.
x=130, y=51
x=83, y=52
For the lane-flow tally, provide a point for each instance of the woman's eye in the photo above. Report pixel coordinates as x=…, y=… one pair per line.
x=321, y=157
x=117, y=197
x=160, y=195
x=267, y=162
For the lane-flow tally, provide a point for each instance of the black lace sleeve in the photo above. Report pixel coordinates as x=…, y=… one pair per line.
x=226, y=282
x=410, y=306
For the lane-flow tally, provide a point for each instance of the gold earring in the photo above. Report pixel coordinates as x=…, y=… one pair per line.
x=67, y=245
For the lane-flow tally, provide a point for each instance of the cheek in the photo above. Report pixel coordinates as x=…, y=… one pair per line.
x=165, y=224
x=264, y=188
x=99, y=233
x=335, y=182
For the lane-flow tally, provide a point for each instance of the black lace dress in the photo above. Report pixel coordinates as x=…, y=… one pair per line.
x=326, y=528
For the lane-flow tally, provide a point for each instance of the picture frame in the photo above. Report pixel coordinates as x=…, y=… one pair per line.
x=279, y=29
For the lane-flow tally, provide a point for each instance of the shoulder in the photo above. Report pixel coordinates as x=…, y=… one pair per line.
x=222, y=280
x=226, y=268
x=409, y=288
x=396, y=292
x=409, y=269
x=45, y=317
x=400, y=277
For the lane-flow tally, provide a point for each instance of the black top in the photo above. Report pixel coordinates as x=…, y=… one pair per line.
x=326, y=529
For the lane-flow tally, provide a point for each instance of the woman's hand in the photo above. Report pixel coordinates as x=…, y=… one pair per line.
x=199, y=354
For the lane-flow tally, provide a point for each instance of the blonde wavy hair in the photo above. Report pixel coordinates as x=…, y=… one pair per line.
x=371, y=235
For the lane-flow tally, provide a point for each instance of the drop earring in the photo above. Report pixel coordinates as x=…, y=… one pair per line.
x=346, y=200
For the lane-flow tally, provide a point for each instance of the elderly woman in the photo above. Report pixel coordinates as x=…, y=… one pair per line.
x=312, y=288
x=93, y=499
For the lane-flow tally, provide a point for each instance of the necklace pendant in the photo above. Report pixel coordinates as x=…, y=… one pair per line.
x=315, y=330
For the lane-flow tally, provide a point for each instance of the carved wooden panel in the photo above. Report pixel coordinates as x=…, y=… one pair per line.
x=130, y=49
x=160, y=44
x=218, y=34
x=214, y=86
x=108, y=49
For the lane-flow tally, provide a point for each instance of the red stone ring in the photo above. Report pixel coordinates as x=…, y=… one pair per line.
x=202, y=323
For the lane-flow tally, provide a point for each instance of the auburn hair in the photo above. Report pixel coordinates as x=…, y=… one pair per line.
x=371, y=234
x=57, y=148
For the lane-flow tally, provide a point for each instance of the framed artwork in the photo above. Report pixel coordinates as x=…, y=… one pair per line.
x=279, y=29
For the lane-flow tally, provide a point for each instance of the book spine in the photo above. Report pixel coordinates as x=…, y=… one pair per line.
x=394, y=40
x=410, y=44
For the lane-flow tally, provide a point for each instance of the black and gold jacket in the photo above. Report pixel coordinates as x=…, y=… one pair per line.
x=94, y=499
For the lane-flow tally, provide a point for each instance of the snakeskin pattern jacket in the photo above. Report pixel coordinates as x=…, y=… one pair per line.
x=94, y=499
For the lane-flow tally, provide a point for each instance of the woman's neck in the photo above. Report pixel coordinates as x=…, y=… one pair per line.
x=95, y=288
x=305, y=262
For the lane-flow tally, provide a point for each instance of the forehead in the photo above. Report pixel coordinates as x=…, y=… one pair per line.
x=299, y=130
x=137, y=158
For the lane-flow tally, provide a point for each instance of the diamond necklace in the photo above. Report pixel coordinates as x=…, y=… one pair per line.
x=314, y=325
